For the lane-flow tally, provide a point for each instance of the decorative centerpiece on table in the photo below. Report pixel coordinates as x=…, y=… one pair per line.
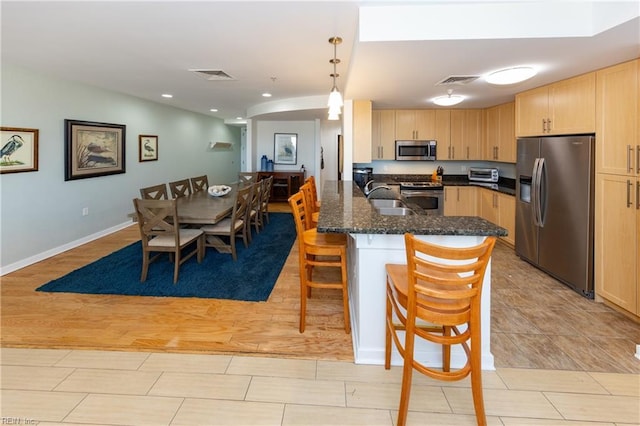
x=219, y=190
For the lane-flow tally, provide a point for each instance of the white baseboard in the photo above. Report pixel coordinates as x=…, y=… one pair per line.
x=57, y=250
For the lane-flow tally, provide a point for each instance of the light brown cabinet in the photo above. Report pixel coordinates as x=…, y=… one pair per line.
x=617, y=249
x=500, y=136
x=415, y=124
x=383, y=134
x=617, y=203
x=465, y=134
x=565, y=107
x=617, y=122
x=500, y=209
x=361, y=131
x=460, y=201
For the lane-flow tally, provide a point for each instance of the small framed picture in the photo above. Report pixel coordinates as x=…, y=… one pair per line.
x=19, y=150
x=285, y=148
x=93, y=149
x=148, y=147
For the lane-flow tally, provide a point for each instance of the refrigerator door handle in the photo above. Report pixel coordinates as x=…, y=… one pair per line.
x=539, y=188
x=535, y=191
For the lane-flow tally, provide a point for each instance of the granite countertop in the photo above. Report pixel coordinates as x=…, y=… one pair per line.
x=345, y=209
x=504, y=185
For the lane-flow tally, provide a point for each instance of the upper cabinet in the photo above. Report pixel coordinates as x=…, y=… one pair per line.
x=617, y=122
x=565, y=107
x=415, y=124
x=361, y=131
x=500, y=136
x=466, y=136
x=383, y=134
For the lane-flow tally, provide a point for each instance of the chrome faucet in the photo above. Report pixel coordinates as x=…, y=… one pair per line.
x=368, y=190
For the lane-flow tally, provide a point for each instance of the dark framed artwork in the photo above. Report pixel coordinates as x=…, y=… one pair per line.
x=19, y=152
x=93, y=149
x=147, y=147
x=285, y=148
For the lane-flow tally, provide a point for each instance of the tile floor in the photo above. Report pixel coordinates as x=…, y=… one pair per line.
x=53, y=387
x=538, y=322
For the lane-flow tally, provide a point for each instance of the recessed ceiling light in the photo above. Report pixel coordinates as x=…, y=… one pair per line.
x=213, y=110
x=448, y=100
x=167, y=95
x=510, y=75
x=238, y=118
x=266, y=95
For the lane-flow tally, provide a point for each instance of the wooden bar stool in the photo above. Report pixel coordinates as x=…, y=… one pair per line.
x=439, y=290
x=318, y=250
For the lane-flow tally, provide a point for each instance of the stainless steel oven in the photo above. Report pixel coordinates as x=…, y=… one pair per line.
x=428, y=195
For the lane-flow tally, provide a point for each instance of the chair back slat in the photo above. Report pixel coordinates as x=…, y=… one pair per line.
x=180, y=188
x=155, y=192
x=446, y=282
x=199, y=183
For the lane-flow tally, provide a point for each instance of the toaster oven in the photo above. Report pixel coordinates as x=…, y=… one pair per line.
x=479, y=174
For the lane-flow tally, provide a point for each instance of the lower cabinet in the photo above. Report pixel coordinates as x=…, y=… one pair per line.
x=500, y=209
x=617, y=241
x=493, y=206
x=460, y=201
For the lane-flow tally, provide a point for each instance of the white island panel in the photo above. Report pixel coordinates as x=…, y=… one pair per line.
x=368, y=255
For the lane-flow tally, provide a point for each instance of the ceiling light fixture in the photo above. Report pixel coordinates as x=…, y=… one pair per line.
x=510, y=75
x=449, y=100
x=167, y=95
x=335, y=98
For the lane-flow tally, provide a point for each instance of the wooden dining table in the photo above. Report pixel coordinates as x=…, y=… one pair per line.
x=200, y=208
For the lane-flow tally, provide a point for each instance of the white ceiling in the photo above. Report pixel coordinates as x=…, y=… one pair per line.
x=147, y=48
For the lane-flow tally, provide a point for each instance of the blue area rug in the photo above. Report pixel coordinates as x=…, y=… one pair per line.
x=250, y=278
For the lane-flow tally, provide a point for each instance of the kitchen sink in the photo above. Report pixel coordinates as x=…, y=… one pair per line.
x=394, y=211
x=386, y=203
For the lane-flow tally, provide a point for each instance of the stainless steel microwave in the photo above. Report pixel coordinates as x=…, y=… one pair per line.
x=416, y=150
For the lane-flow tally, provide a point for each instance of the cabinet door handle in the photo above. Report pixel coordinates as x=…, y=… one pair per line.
x=638, y=195
x=449, y=153
x=495, y=152
x=467, y=153
x=629, y=155
x=453, y=152
x=544, y=125
x=548, y=125
x=638, y=159
x=629, y=186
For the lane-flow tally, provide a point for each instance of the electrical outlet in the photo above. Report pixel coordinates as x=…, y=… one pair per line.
x=85, y=211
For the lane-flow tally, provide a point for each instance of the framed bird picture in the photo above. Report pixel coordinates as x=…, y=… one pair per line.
x=19, y=150
x=93, y=149
x=147, y=148
x=285, y=148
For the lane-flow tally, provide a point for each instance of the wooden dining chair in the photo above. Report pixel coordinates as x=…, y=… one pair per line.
x=317, y=250
x=155, y=192
x=309, y=199
x=160, y=232
x=253, y=214
x=311, y=180
x=264, y=201
x=180, y=188
x=231, y=227
x=247, y=177
x=199, y=183
x=439, y=289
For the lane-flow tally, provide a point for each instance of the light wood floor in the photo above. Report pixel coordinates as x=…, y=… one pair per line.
x=536, y=321
x=130, y=323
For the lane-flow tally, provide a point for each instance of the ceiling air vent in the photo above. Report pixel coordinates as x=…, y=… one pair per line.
x=213, y=75
x=457, y=79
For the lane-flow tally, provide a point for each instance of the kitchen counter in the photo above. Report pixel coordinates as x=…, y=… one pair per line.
x=504, y=185
x=345, y=209
x=375, y=240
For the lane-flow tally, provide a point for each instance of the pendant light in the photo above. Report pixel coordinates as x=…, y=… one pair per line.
x=335, y=98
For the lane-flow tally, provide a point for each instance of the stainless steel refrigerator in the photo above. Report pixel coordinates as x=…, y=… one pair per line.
x=554, y=207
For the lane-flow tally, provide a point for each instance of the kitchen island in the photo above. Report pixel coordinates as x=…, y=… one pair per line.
x=375, y=240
